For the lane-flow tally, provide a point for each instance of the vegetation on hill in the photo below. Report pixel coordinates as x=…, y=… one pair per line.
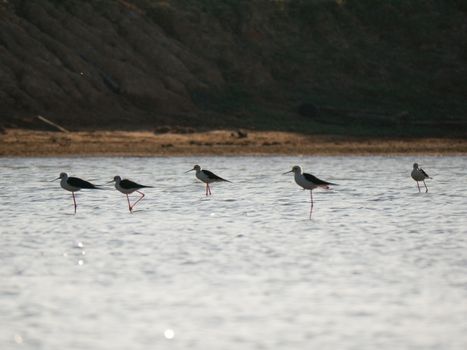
x=379, y=67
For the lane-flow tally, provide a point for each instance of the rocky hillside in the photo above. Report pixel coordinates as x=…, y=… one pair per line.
x=307, y=65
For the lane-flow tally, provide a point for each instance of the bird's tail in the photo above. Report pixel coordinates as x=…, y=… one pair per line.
x=326, y=186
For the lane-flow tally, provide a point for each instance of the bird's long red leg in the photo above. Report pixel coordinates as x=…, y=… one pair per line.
x=311, y=206
x=425, y=185
x=209, y=189
x=418, y=187
x=74, y=200
x=129, y=205
x=142, y=196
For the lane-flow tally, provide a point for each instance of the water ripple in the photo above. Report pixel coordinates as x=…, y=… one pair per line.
x=378, y=266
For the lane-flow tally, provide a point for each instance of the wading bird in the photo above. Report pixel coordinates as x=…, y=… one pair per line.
x=207, y=177
x=74, y=184
x=127, y=187
x=308, y=182
x=418, y=174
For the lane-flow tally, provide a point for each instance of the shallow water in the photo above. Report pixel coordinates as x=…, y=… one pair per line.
x=378, y=266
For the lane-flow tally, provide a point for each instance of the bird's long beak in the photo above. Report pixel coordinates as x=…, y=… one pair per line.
x=55, y=179
x=109, y=182
x=189, y=171
x=287, y=172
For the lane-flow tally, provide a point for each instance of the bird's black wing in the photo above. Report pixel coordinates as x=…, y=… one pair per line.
x=317, y=181
x=80, y=183
x=213, y=176
x=128, y=184
x=423, y=172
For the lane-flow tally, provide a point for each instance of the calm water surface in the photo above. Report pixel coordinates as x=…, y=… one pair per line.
x=380, y=266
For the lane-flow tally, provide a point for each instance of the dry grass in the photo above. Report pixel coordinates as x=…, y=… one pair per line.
x=17, y=142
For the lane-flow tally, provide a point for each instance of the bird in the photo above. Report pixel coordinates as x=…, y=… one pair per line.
x=308, y=182
x=418, y=174
x=127, y=187
x=74, y=184
x=207, y=177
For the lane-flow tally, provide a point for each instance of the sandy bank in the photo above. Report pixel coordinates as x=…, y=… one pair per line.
x=18, y=142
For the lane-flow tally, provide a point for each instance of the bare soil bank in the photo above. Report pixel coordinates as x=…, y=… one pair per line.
x=354, y=67
x=18, y=142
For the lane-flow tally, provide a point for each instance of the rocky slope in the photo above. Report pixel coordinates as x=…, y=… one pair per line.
x=134, y=64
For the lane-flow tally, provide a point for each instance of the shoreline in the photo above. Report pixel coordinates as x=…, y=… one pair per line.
x=30, y=143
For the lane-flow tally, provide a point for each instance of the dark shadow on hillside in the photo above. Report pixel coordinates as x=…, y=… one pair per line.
x=354, y=67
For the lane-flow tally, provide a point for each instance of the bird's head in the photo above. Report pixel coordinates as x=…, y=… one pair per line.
x=295, y=169
x=61, y=176
x=195, y=168
x=116, y=179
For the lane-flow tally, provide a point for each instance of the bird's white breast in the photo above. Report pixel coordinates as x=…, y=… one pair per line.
x=66, y=186
x=303, y=182
x=202, y=176
x=124, y=190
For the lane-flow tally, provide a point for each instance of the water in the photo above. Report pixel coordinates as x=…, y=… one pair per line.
x=379, y=265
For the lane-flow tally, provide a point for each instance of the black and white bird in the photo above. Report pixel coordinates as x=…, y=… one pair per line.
x=127, y=187
x=418, y=174
x=74, y=184
x=308, y=182
x=207, y=177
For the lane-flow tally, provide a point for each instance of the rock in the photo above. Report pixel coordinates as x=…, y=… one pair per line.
x=239, y=134
x=162, y=129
